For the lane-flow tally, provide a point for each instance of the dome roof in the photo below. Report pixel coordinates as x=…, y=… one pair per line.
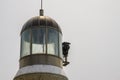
x=39, y=21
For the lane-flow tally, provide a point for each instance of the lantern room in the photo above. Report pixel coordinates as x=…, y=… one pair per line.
x=41, y=35
x=42, y=53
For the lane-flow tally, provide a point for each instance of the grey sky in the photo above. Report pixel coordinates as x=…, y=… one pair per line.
x=92, y=27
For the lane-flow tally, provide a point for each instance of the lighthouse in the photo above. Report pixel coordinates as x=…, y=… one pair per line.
x=42, y=52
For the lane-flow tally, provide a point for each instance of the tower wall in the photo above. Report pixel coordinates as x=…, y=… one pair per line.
x=41, y=76
x=40, y=72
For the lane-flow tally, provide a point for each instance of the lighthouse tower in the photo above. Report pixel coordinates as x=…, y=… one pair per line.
x=42, y=54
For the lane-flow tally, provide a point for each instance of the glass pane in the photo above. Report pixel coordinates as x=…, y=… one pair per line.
x=38, y=41
x=25, y=43
x=60, y=45
x=52, y=44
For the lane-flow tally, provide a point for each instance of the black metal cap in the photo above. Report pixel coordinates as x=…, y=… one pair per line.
x=40, y=21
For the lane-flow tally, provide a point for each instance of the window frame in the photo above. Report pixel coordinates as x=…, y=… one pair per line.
x=59, y=38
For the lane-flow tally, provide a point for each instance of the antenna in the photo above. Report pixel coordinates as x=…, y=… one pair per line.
x=41, y=4
x=41, y=10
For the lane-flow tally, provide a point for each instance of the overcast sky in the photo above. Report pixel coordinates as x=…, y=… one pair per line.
x=92, y=27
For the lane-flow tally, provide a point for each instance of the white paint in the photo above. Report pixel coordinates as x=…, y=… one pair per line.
x=40, y=69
